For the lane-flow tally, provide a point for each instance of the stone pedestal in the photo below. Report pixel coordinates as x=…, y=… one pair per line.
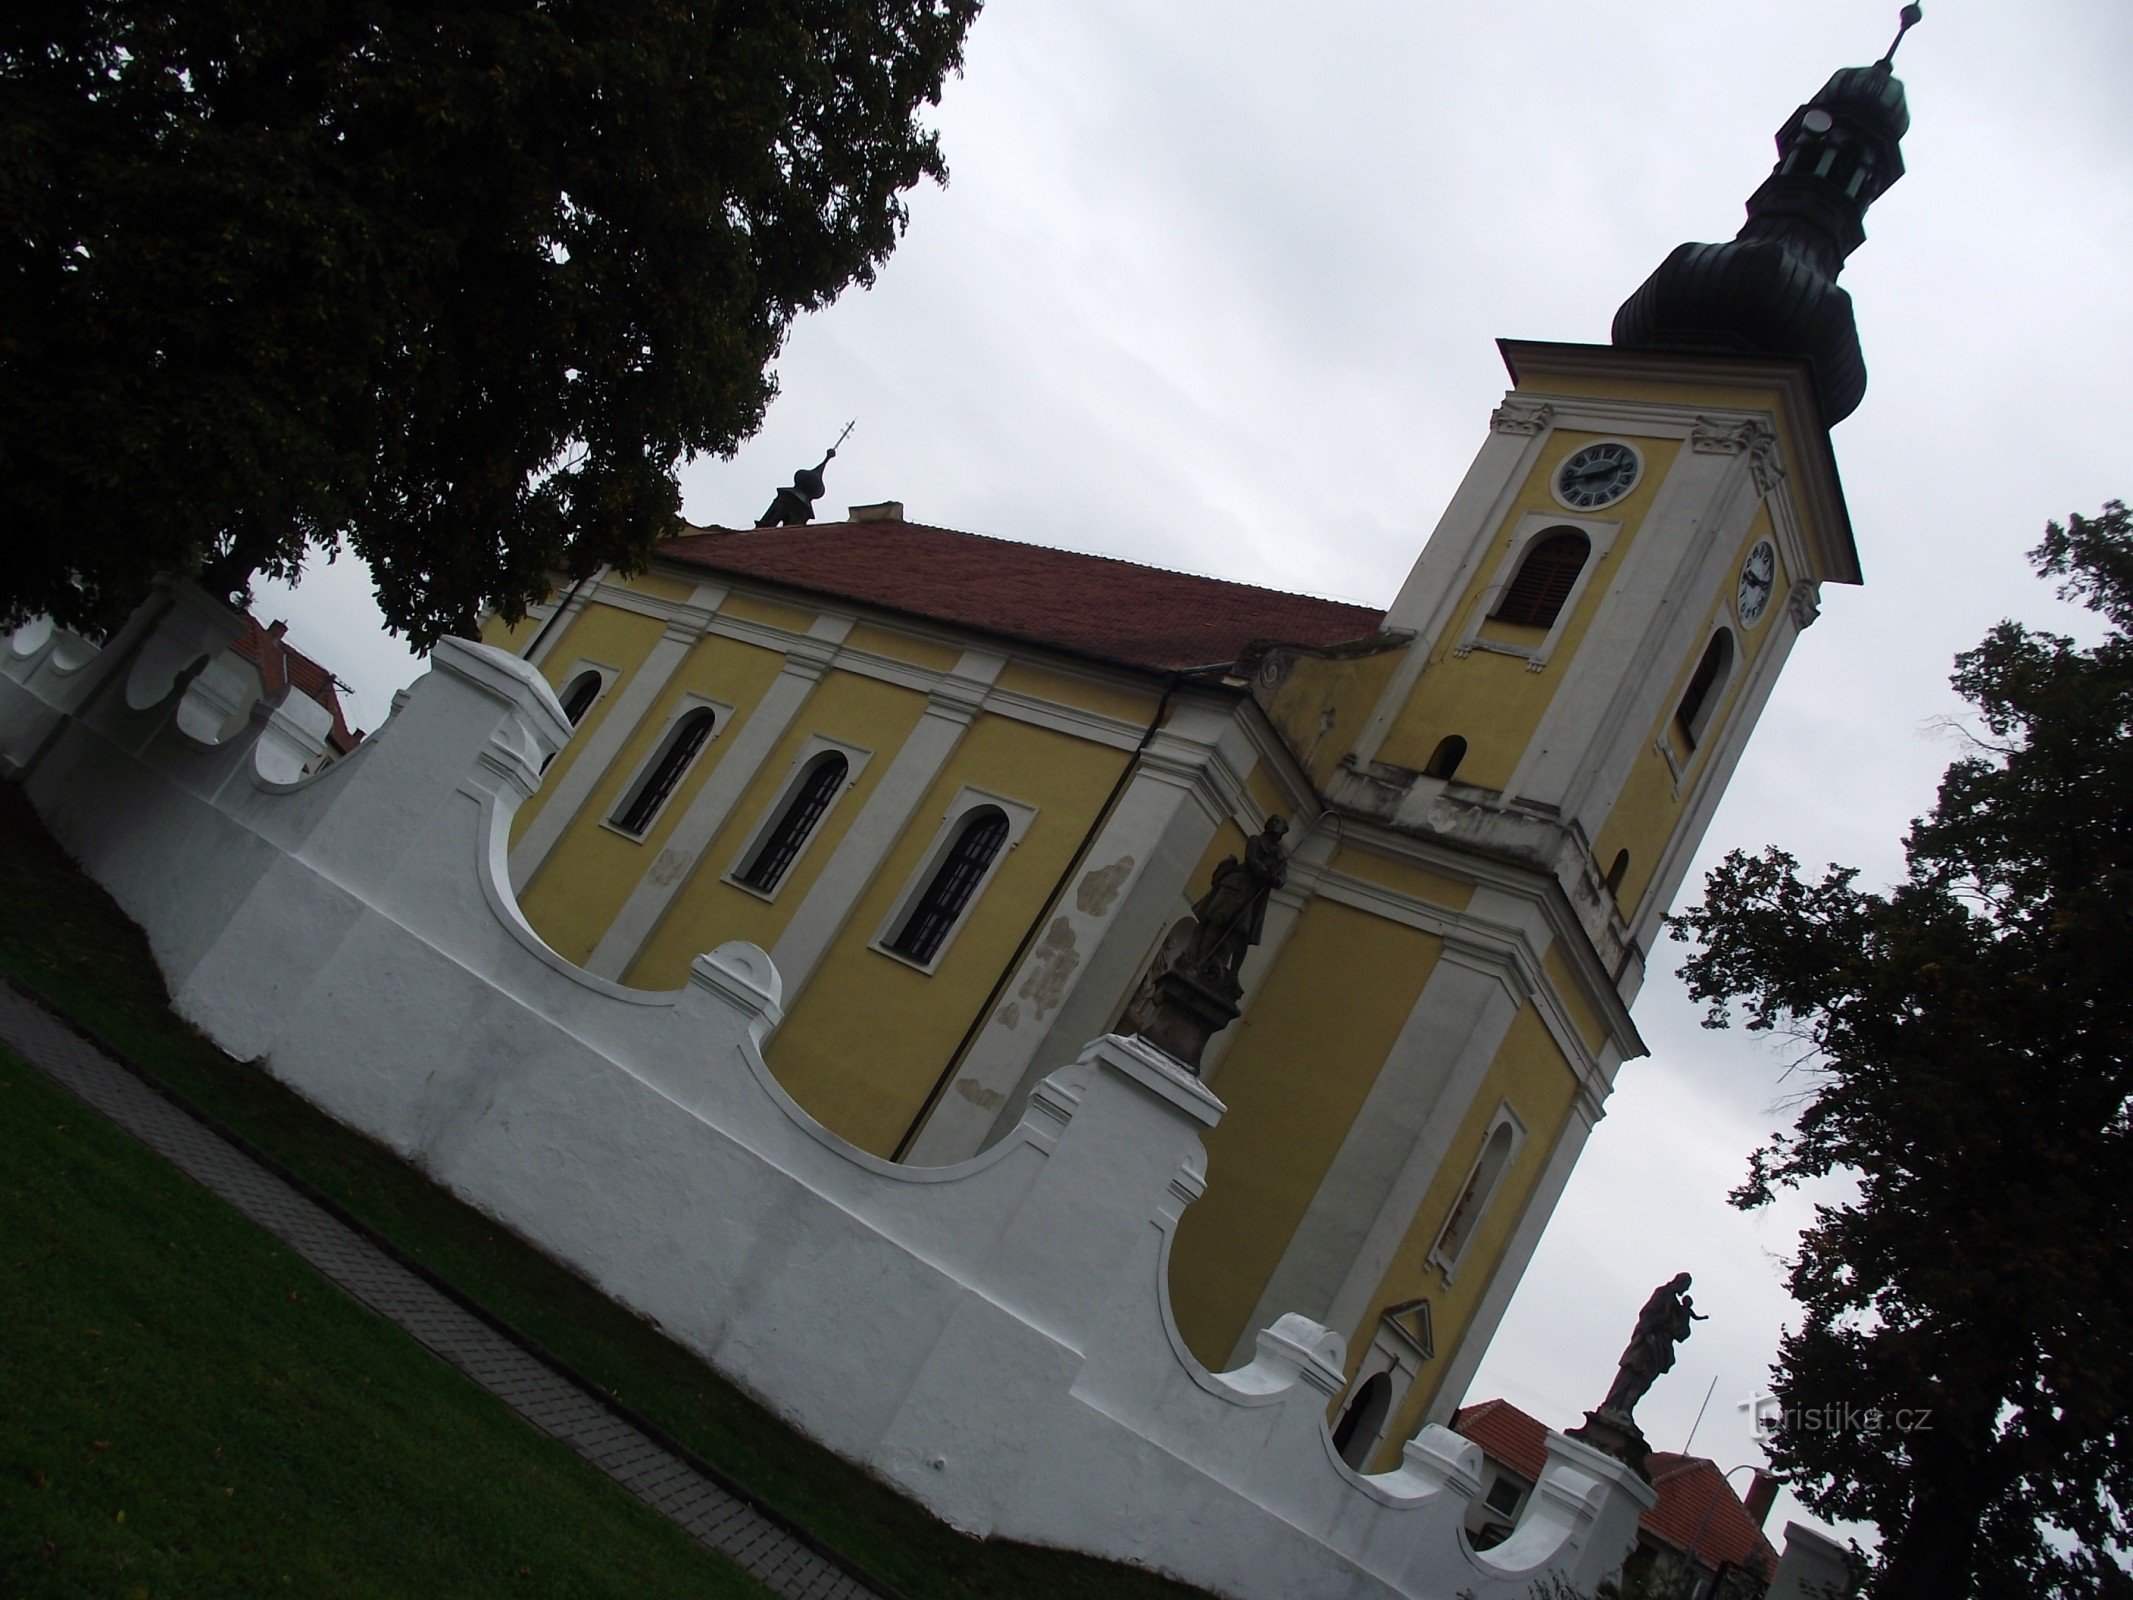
x=1613, y=1433
x=1185, y=1015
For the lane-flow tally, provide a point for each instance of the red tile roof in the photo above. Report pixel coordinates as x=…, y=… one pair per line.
x=1117, y=611
x=280, y=663
x=1696, y=1505
x=1506, y=1434
x=1698, y=1508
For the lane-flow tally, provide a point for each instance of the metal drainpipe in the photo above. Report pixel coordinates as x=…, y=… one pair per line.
x=551, y=619
x=1044, y=910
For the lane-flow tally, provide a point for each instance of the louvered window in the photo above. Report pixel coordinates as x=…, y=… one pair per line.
x=817, y=788
x=1545, y=579
x=682, y=744
x=955, y=880
x=1694, y=714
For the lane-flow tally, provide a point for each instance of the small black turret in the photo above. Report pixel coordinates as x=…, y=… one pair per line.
x=1772, y=290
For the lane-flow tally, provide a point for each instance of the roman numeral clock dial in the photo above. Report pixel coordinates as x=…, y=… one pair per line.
x=1758, y=577
x=1598, y=475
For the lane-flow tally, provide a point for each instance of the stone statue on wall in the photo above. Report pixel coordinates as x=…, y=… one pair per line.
x=1667, y=1319
x=1661, y=1325
x=1192, y=990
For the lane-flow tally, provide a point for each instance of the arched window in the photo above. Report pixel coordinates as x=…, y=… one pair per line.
x=809, y=799
x=579, y=696
x=1545, y=578
x=682, y=743
x=1617, y=872
x=1706, y=688
x=1445, y=759
x=954, y=881
x=1363, y=1421
x=1474, y=1197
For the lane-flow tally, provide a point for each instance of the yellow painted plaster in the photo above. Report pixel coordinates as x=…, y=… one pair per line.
x=903, y=647
x=1492, y=700
x=1532, y=1075
x=612, y=637
x=509, y=637
x=1311, y=1045
x=1403, y=877
x=659, y=586
x=1086, y=694
x=864, y=712
x=593, y=869
x=1649, y=808
x=769, y=613
x=1322, y=704
x=1564, y=980
x=871, y=1034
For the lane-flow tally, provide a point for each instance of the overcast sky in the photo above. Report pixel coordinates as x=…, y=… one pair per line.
x=1216, y=283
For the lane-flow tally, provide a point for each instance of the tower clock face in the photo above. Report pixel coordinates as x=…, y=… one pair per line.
x=1598, y=475
x=1758, y=577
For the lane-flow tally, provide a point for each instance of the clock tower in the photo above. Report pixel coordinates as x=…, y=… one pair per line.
x=1585, y=645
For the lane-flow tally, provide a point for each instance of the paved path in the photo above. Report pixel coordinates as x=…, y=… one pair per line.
x=546, y=1398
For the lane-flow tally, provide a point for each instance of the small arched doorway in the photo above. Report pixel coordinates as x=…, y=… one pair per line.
x=1356, y=1434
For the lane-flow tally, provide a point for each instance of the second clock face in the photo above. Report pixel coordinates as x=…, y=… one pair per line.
x=1598, y=475
x=1758, y=577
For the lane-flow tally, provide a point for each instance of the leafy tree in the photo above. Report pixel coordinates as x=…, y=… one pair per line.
x=1963, y=1375
x=453, y=286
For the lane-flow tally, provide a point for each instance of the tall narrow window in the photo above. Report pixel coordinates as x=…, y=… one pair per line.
x=1617, y=872
x=1474, y=1198
x=955, y=880
x=1445, y=759
x=578, y=698
x=1706, y=687
x=1545, y=578
x=810, y=798
x=683, y=741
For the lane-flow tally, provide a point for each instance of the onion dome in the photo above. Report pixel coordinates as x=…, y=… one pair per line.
x=1772, y=290
x=794, y=506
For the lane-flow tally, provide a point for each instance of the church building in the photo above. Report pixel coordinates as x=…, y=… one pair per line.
x=962, y=788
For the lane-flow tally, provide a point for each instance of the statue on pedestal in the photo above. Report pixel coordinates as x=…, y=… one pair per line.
x=1667, y=1319
x=1192, y=990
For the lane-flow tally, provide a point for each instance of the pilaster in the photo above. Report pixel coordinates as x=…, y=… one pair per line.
x=761, y=728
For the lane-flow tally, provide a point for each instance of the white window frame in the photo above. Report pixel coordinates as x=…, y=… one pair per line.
x=967, y=800
x=1396, y=1352
x=1701, y=736
x=607, y=676
x=1505, y=1117
x=721, y=715
x=816, y=745
x=1600, y=534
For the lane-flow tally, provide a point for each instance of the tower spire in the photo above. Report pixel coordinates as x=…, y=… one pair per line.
x=1772, y=290
x=794, y=505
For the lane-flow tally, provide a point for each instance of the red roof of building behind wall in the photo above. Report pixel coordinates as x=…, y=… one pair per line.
x=282, y=664
x=1117, y=611
x=1697, y=1507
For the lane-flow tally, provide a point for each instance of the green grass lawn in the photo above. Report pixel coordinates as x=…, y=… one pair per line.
x=187, y=1408
x=83, y=958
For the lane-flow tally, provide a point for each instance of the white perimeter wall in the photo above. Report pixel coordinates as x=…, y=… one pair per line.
x=993, y=1338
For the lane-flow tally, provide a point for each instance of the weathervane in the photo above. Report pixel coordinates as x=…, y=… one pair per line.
x=796, y=505
x=1906, y=19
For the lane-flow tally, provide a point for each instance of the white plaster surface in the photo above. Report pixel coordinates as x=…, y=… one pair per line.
x=994, y=1338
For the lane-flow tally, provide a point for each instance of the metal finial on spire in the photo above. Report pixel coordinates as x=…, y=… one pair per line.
x=1906, y=19
x=795, y=505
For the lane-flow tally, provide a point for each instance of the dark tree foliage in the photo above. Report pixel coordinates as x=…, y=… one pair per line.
x=1963, y=1375
x=456, y=285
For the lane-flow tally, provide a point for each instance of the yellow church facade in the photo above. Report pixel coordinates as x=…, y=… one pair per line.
x=961, y=789
x=1492, y=788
